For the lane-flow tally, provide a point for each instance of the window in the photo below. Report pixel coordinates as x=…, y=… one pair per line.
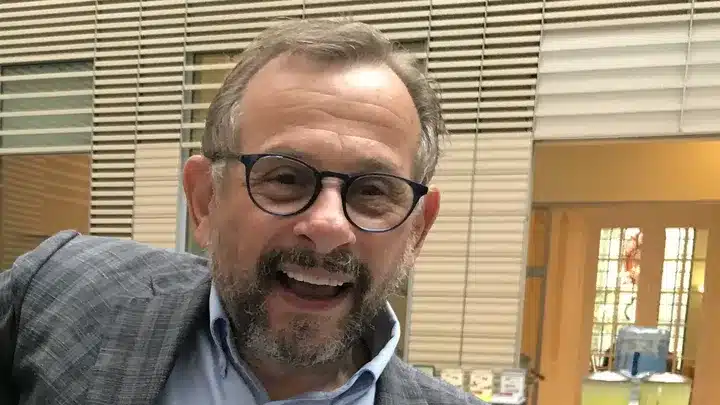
x=684, y=252
x=681, y=281
x=39, y=196
x=206, y=75
x=43, y=107
x=46, y=105
x=615, y=289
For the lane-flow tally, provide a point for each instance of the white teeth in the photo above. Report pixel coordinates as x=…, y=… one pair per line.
x=314, y=280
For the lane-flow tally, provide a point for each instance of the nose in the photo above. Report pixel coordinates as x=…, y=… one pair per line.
x=325, y=224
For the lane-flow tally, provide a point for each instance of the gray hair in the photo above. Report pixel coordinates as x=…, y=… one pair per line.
x=332, y=41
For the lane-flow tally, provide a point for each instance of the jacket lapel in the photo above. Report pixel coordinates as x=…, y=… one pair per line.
x=140, y=345
x=395, y=387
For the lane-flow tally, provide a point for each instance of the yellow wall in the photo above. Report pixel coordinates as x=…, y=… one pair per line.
x=626, y=171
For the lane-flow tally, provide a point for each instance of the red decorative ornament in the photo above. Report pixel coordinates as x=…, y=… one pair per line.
x=631, y=257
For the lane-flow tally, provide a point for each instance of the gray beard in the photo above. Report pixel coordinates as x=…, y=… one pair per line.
x=300, y=343
x=297, y=345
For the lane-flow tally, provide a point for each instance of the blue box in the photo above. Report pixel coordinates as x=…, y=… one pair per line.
x=651, y=346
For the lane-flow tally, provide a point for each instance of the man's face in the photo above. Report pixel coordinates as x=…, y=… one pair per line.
x=301, y=289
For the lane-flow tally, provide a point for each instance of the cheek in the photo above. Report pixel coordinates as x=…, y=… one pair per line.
x=236, y=231
x=386, y=255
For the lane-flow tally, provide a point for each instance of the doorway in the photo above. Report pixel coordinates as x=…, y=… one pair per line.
x=634, y=236
x=611, y=265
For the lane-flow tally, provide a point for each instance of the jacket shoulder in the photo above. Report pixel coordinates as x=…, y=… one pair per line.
x=69, y=259
x=68, y=293
x=70, y=274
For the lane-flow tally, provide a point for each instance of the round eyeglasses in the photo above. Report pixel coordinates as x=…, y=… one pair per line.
x=285, y=186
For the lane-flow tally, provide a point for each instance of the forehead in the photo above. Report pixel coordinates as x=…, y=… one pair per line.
x=347, y=114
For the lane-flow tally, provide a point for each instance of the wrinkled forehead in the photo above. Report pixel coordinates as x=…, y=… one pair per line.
x=360, y=112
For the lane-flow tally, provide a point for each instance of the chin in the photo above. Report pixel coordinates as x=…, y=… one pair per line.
x=307, y=340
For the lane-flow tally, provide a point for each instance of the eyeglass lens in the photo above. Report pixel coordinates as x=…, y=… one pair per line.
x=285, y=186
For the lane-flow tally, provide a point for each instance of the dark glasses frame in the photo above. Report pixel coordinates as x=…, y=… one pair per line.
x=249, y=161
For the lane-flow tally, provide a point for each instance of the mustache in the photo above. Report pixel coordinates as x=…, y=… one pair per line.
x=338, y=261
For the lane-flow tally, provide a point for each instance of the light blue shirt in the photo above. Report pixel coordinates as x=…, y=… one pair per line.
x=209, y=371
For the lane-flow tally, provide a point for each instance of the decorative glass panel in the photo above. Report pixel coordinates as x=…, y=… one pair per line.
x=618, y=269
x=677, y=276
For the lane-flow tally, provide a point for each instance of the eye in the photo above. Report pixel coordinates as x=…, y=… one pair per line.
x=286, y=178
x=372, y=188
x=283, y=176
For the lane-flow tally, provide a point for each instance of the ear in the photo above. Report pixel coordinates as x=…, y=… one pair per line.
x=197, y=182
x=430, y=210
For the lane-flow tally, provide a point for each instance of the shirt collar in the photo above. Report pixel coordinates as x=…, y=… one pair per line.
x=381, y=339
x=218, y=319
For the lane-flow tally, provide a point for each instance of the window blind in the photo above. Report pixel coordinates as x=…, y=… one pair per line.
x=466, y=287
x=629, y=69
x=701, y=105
x=139, y=78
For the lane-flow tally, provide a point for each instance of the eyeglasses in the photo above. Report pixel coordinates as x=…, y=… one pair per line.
x=285, y=186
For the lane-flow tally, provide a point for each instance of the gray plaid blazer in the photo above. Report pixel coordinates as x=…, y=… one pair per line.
x=99, y=321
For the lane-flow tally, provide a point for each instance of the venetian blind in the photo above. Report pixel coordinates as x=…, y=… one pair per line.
x=503, y=153
x=138, y=116
x=466, y=289
x=701, y=104
x=627, y=69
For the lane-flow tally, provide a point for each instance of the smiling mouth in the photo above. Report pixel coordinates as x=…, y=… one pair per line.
x=312, y=287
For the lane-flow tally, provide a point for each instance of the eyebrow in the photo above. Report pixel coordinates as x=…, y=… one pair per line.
x=365, y=164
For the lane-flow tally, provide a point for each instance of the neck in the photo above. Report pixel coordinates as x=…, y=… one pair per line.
x=283, y=382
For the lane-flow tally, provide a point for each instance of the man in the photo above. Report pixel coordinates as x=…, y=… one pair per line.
x=311, y=199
